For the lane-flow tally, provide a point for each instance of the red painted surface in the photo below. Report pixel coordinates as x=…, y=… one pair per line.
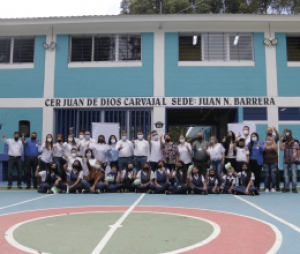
x=238, y=234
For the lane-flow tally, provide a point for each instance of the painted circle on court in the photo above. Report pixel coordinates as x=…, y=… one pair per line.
x=238, y=233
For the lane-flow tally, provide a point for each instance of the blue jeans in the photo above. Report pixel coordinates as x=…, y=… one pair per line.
x=123, y=162
x=139, y=162
x=294, y=169
x=217, y=167
x=270, y=169
x=87, y=185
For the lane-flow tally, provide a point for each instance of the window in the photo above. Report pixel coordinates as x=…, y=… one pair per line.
x=252, y=114
x=17, y=50
x=216, y=47
x=105, y=47
x=289, y=114
x=293, y=48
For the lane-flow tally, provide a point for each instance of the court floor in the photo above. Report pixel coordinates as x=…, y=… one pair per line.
x=144, y=223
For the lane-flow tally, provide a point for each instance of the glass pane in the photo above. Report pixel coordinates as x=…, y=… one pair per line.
x=213, y=46
x=293, y=48
x=243, y=50
x=4, y=50
x=129, y=47
x=104, y=48
x=188, y=51
x=23, y=50
x=81, y=49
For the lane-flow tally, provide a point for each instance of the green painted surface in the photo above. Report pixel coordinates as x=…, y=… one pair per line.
x=140, y=233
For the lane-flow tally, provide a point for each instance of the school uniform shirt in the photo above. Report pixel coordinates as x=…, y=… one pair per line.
x=71, y=160
x=155, y=152
x=141, y=148
x=15, y=148
x=123, y=175
x=109, y=175
x=58, y=150
x=68, y=147
x=113, y=154
x=184, y=153
x=159, y=171
x=100, y=151
x=80, y=175
x=241, y=154
x=46, y=155
x=85, y=168
x=84, y=145
x=191, y=177
x=43, y=175
x=139, y=174
x=127, y=148
x=245, y=174
x=216, y=151
x=216, y=180
x=225, y=177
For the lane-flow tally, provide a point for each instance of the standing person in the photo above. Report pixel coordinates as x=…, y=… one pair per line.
x=169, y=151
x=71, y=143
x=290, y=148
x=84, y=144
x=242, y=154
x=155, y=149
x=256, y=149
x=230, y=145
x=112, y=152
x=217, y=157
x=200, y=156
x=47, y=151
x=78, y=143
x=270, y=163
x=125, y=149
x=185, y=151
x=15, y=150
x=58, y=151
x=246, y=134
x=31, y=152
x=141, y=151
x=100, y=150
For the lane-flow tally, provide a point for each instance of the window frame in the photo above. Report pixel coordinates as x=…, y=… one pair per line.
x=289, y=62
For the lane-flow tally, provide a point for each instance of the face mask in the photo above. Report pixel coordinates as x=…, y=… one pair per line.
x=70, y=139
x=33, y=138
x=241, y=146
x=212, y=175
x=230, y=173
x=160, y=166
x=140, y=136
x=73, y=155
x=269, y=134
x=200, y=138
x=76, y=166
x=154, y=138
x=254, y=139
x=97, y=166
x=59, y=141
x=268, y=142
x=113, y=141
x=49, y=140
x=81, y=137
x=245, y=132
x=130, y=169
x=101, y=141
x=87, y=137
x=124, y=138
x=181, y=140
x=145, y=168
x=245, y=169
x=288, y=138
x=212, y=141
x=168, y=140
x=16, y=139
x=89, y=155
x=229, y=137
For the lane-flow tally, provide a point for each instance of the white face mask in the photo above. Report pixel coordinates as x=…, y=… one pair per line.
x=87, y=137
x=245, y=132
x=155, y=138
x=70, y=139
x=73, y=155
x=97, y=166
x=182, y=140
x=124, y=138
x=81, y=137
x=254, y=139
x=268, y=142
x=113, y=141
x=229, y=173
x=140, y=137
x=89, y=155
x=49, y=139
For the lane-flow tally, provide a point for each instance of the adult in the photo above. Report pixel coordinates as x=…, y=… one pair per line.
x=291, y=158
x=58, y=151
x=155, y=149
x=78, y=143
x=185, y=151
x=169, y=151
x=125, y=149
x=216, y=153
x=88, y=157
x=270, y=163
x=230, y=147
x=112, y=152
x=46, y=150
x=200, y=156
x=256, y=149
x=93, y=182
x=15, y=150
x=84, y=144
x=141, y=150
x=245, y=134
x=100, y=150
x=69, y=144
x=31, y=153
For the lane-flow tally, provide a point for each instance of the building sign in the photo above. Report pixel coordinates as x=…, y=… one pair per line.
x=160, y=101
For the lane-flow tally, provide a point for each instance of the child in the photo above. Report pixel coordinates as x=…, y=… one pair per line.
x=242, y=154
x=113, y=180
x=159, y=179
x=128, y=177
x=143, y=178
x=247, y=178
x=228, y=179
x=181, y=181
x=212, y=182
x=197, y=182
x=48, y=179
x=93, y=182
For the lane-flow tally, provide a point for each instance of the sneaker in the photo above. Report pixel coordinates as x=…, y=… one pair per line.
x=54, y=190
x=84, y=191
x=284, y=190
x=266, y=190
x=273, y=190
x=9, y=187
x=294, y=190
x=48, y=192
x=97, y=191
x=77, y=191
x=68, y=189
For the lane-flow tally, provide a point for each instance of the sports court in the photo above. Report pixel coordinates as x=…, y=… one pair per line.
x=144, y=223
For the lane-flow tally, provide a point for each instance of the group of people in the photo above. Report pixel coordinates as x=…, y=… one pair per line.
x=155, y=164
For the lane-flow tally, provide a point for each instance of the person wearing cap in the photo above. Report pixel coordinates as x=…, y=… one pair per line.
x=290, y=148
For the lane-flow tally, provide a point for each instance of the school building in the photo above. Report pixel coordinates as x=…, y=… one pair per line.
x=149, y=72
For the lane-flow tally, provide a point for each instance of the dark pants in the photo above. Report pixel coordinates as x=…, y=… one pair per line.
x=123, y=162
x=139, y=161
x=60, y=163
x=202, y=165
x=153, y=165
x=256, y=169
x=177, y=190
x=114, y=164
x=12, y=163
x=31, y=164
x=239, y=165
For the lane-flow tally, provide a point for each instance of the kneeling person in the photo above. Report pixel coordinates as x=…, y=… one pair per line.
x=93, y=182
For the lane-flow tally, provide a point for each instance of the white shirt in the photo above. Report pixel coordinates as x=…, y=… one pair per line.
x=247, y=140
x=230, y=153
x=68, y=147
x=216, y=151
x=84, y=145
x=85, y=168
x=184, y=153
x=245, y=174
x=216, y=180
x=241, y=154
x=141, y=148
x=159, y=171
x=15, y=148
x=235, y=180
x=46, y=155
x=80, y=175
x=43, y=175
x=100, y=151
x=57, y=150
x=138, y=175
x=79, y=153
x=196, y=177
x=71, y=160
x=127, y=148
x=156, y=152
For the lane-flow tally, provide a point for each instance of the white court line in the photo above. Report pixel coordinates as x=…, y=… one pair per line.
x=23, y=202
x=114, y=227
x=269, y=214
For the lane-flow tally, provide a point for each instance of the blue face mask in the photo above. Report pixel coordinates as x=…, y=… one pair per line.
x=87, y=137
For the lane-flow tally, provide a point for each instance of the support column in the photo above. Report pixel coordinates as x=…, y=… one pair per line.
x=48, y=122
